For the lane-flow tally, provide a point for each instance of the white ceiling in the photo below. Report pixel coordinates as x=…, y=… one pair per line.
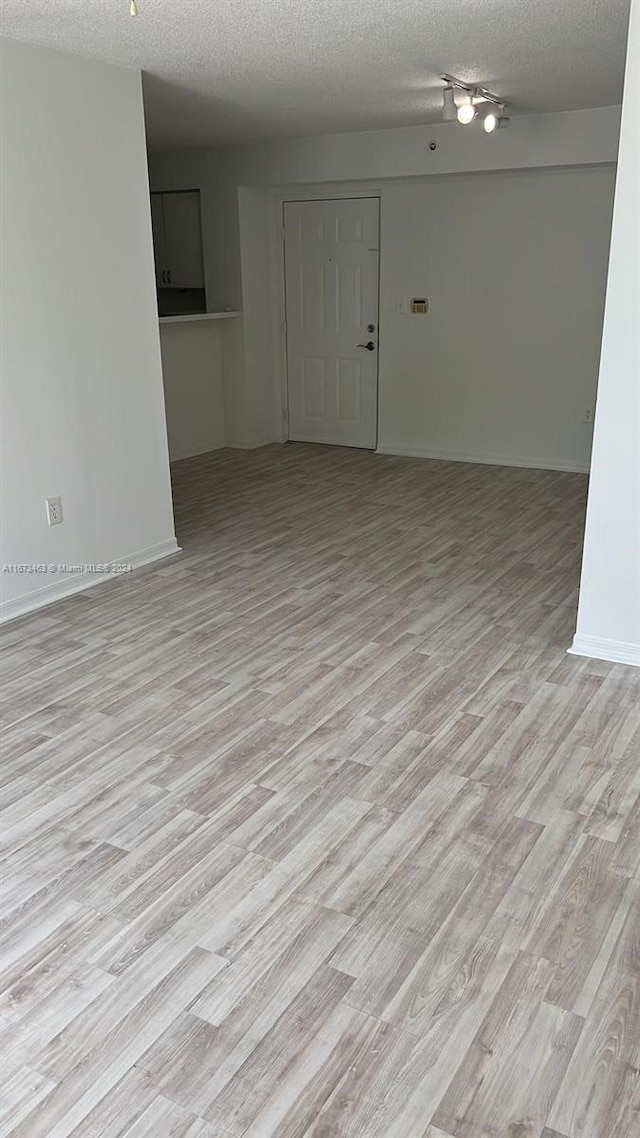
x=219, y=70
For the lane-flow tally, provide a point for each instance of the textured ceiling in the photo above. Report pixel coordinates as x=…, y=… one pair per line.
x=219, y=70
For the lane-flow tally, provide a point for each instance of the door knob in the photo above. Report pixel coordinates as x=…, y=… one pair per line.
x=370, y=346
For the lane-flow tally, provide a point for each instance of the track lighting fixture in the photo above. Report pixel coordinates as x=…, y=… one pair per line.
x=466, y=112
x=133, y=8
x=491, y=120
x=472, y=103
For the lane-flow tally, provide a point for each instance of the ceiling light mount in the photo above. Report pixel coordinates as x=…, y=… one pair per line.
x=473, y=103
x=450, y=107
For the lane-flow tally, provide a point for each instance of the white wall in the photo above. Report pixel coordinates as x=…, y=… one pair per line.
x=261, y=416
x=193, y=378
x=530, y=218
x=569, y=138
x=522, y=254
x=609, y=612
x=505, y=364
x=81, y=384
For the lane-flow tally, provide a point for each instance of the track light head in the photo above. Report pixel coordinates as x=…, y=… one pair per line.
x=466, y=112
x=494, y=119
x=491, y=120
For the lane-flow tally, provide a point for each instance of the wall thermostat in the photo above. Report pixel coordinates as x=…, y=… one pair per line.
x=419, y=306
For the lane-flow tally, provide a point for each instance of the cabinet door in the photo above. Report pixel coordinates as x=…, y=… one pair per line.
x=159, y=245
x=183, y=239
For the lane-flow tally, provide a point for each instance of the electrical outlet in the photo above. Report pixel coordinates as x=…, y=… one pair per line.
x=54, y=511
x=588, y=415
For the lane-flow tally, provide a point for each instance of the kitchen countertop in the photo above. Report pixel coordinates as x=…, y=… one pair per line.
x=190, y=316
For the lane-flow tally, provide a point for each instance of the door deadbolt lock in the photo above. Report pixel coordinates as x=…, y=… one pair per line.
x=371, y=327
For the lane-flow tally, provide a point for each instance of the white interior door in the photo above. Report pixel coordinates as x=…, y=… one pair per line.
x=331, y=282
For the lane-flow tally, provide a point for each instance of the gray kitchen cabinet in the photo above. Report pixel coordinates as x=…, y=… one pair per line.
x=177, y=239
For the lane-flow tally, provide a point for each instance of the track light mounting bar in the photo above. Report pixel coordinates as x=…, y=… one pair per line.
x=473, y=91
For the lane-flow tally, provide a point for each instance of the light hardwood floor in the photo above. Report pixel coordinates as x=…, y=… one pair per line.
x=315, y=830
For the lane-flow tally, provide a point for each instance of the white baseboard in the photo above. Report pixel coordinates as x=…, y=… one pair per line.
x=484, y=459
x=68, y=586
x=191, y=452
x=617, y=651
x=251, y=444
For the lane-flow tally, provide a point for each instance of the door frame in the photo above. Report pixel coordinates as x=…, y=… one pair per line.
x=277, y=198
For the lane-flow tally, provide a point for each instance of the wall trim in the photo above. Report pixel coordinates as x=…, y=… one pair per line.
x=565, y=465
x=251, y=444
x=78, y=583
x=190, y=452
x=598, y=648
